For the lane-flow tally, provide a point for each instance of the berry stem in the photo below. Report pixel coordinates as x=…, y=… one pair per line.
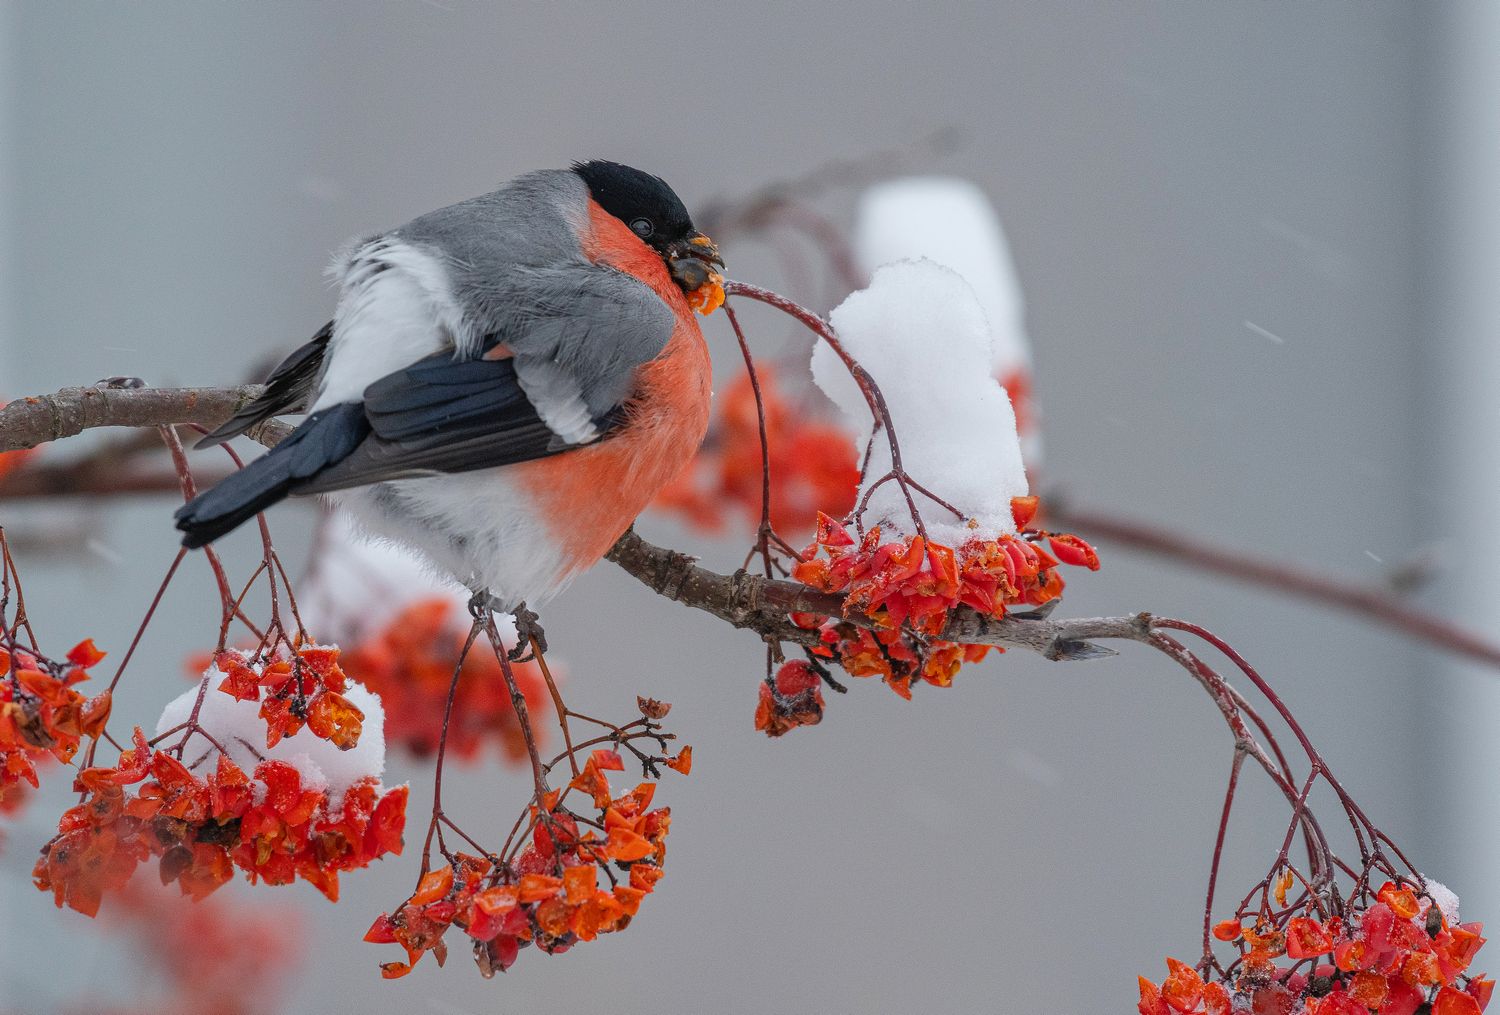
x=442, y=751
x=867, y=386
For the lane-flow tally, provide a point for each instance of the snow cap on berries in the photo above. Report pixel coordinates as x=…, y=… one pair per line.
x=953, y=222
x=921, y=333
x=238, y=726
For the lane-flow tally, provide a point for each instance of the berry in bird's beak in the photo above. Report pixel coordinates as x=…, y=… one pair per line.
x=690, y=261
x=705, y=248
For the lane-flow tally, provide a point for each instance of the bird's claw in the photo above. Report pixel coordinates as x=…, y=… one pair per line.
x=480, y=605
x=530, y=638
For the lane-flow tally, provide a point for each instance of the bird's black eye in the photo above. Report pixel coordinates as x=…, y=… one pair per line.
x=642, y=228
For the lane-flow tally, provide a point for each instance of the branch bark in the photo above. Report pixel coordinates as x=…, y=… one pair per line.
x=1374, y=603
x=27, y=422
x=762, y=604
x=740, y=599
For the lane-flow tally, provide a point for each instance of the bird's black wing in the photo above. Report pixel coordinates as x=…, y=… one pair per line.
x=442, y=415
x=287, y=389
x=578, y=337
x=326, y=436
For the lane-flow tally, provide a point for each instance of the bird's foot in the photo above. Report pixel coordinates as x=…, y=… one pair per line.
x=530, y=638
x=482, y=605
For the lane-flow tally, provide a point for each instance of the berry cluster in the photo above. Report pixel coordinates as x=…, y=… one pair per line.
x=410, y=663
x=216, y=955
x=916, y=582
x=1398, y=955
x=895, y=656
x=909, y=586
x=306, y=688
x=549, y=894
x=268, y=824
x=792, y=698
x=41, y=713
x=709, y=296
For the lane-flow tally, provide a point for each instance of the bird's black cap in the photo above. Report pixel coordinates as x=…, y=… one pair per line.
x=643, y=202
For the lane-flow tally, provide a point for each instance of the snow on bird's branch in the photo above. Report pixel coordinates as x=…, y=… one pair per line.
x=921, y=333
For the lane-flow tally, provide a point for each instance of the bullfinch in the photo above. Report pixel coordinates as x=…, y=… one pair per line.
x=505, y=384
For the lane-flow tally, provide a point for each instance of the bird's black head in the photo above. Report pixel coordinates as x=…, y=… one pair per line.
x=655, y=213
x=645, y=203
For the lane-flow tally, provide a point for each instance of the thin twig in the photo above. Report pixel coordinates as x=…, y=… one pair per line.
x=1374, y=603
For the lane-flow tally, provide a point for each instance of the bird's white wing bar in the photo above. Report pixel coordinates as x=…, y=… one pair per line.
x=558, y=399
x=395, y=307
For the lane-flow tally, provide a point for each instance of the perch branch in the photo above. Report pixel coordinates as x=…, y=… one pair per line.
x=27, y=422
x=741, y=599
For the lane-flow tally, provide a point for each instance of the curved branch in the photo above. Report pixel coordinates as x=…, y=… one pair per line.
x=762, y=604
x=1374, y=603
x=740, y=600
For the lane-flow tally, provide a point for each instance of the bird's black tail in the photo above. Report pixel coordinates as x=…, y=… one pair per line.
x=324, y=438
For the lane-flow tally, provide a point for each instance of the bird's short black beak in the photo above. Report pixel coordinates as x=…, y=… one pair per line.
x=690, y=261
x=695, y=245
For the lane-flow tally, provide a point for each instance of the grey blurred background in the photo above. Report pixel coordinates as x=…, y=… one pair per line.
x=1256, y=241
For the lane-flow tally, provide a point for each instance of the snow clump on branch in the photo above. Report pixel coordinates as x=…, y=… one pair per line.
x=922, y=335
x=238, y=726
x=953, y=222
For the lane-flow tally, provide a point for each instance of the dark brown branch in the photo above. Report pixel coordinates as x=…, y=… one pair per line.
x=1372, y=603
x=27, y=422
x=740, y=599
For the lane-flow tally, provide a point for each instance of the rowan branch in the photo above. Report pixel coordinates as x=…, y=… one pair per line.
x=740, y=599
x=27, y=422
x=1375, y=603
x=763, y=604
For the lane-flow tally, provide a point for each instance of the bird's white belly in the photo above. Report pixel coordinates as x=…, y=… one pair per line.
x=475, y=526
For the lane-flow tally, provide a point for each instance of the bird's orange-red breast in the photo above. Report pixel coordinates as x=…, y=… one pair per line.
x=590, y=496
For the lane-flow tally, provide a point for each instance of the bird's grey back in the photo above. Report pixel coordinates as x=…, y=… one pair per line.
x=533, y=220
x=518, y=272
